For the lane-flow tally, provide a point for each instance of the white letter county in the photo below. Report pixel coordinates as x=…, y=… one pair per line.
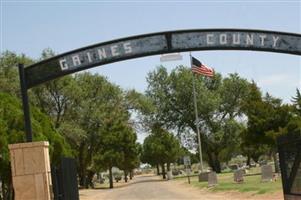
x=209, y=39
x=275, y=40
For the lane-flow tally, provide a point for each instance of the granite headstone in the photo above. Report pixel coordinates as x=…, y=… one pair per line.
x=239, y=176
x=203, y=176
x=267, y=173
x=212, y=179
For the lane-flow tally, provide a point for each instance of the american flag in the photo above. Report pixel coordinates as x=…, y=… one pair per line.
x=198, y=68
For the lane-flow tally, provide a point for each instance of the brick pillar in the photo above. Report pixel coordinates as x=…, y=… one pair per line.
x=30, y=168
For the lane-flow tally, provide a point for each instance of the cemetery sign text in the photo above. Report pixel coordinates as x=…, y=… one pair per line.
x=160, y=43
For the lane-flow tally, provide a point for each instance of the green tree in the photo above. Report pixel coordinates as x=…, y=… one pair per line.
x=297, y=102
x=9, y=77
x=267, y=116
x=12, y=131
x=117, y=139
x=80, y=107
x=56, y=96
x=293, y=127
x=252, y=107
x=219, y=103
x=130, y=149
x=95, y=102
x=161, y=147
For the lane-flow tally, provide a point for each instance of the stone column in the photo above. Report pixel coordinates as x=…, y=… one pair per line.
x=30, y=168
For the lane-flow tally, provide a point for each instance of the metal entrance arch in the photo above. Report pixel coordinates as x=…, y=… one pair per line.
x=154, y=44
x=151, y=44
x=161, y=43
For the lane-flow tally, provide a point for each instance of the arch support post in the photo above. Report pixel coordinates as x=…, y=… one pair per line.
x=25, y=102
x=31, y=172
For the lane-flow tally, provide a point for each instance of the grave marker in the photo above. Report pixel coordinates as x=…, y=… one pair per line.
x=203, y=176
x=212, y=179
x=239, y=176
x=266, y=173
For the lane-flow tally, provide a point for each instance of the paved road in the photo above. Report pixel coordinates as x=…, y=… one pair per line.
x=153, y=188
x=143, y=187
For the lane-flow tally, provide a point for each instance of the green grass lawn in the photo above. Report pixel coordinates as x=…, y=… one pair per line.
x=251, y=184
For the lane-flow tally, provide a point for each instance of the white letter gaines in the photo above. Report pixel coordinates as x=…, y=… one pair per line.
x=127, y=47
x=63, y=64
x=76, y=60
x=114, y=50
x=101, y=53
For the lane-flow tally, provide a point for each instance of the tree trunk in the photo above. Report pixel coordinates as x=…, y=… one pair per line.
x=213, y=161
x=82, y=178
x=158, y=170
x=277, y=168
x=217, y=166
x=111, y=177
x=89, y=179
x=11, y=190
x=210, y=159
x=168, y=166
x=7, y=190
x=82, y=169
x=57, y=121
x=256, y=158
x=131, y=174
x=163, y=171
x=125, y=176
x=2, y=189
x=248, y=160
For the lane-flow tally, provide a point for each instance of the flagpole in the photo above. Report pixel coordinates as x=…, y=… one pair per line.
x=196, y=118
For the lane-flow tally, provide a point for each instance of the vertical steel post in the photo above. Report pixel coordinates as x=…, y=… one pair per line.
x=26, y=111
x=197, y=118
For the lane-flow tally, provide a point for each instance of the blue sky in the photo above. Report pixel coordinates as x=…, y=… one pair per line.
x=30, y=26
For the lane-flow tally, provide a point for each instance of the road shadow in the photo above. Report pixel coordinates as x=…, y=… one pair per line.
x=137, y=181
